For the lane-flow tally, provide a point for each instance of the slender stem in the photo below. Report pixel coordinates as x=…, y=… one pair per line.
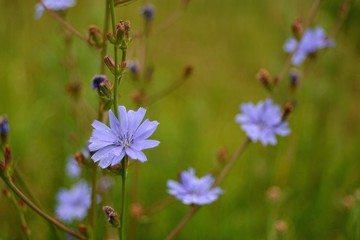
x=50, y=219
x=159, y=205
x=64, y=23
x=183, y=222
x=116, y=72
x=123, y=198
x=24, y=225
x=93, y=197
x=104, y=39
x=231, y=162
x=313, y=10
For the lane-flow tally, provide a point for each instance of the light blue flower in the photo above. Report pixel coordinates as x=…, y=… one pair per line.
x=73, y=204
x=148, y=11
x=73, y=169
x=55, y=5
x=193, y=190
x=127, y=136
x=311, y=41
x=262, y=122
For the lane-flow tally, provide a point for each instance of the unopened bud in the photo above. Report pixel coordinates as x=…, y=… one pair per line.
x=95, y=36
x=110, y=37
x=4, y=129
x=281, y=226
x=264, y=77
x=188, y=70
x=8, y=158
x=297, y=28
x=120, y=32
x=109, y=62
x=5, y=192
x=138, y=97
x=80, y=158
x=112, y=216
x=348, y=201
x=288, y=108
x=127, y=26
x=83, y=229
x=274, y=194
x=294, y=78
x=137, y=210
x=133, y=67
x=123, y=65
x=222, y=155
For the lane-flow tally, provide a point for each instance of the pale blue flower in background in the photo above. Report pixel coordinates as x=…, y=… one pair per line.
x=311, y=41
x=193, y=190
x=73, y=204
x=73, y=169
x=148, y=11
x=262, y=122
x=127, y=135
x=55, y=5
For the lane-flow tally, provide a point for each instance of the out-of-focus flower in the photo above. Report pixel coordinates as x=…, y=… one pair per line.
x=127, y=136
x=73, y=169
x=73, y=204
x=55, y=5
x=311, y=41
x=193, y=190
x=4, y=129
x=148, y=11
x=133, y=67
x=262, y=122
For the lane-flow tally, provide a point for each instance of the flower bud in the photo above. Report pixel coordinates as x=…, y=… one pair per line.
x=281, y=226
x=97, y=80
x=110, y=37
x=188, y=70
x=95, y=36
x=294, y=78
x=264, y=77
x=5, y=192
x=83, y=229
x=120, y=31
x=112, y=216
x=8, y=158
x=274, y=194
x=109, y=62
x=297, y=28
x=127, y=26
x=222, y=155
x=288, y=108
x=4, y=129
x=137, y=210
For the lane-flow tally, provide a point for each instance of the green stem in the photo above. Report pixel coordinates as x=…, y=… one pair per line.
x=48, y=218
x=123, y=198
x=104, y=39
x=24, y=225
x=116, y=72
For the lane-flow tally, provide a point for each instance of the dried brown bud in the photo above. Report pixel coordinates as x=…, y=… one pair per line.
x=188, y=70
x=8, y=159
x=281, y=226
x=127, y=26
x=297, y=28
x=348, y=201
x=83, y=229
x=112, y=216
x=222, y=155
x=123, y=65
x=264, y=77
x=138, y=97
x=274, y=194
x=137, y=210
x=95, y=36
x=288, y=108
x=120, y=31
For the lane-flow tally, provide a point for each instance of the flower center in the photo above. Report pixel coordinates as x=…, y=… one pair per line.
x=126, y=140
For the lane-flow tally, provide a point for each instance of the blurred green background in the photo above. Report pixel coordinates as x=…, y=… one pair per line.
x=226, y=42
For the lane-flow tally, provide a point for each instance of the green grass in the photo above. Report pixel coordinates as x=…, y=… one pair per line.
x=226, y=42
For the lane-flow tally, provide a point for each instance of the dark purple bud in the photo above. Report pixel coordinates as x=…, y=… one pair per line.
x=97, y=80
x=133, y=67
x=148, y=11
x=4, y=129
x=294, y=77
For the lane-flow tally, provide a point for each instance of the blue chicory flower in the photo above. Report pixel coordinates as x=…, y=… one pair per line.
x=262, y=122
x=4, y=127
x=97, y=80
x=55, y=5
x=73, y=169
x=148, y=11
x=193, y=190
x=127, y=136
x=73, y=204
x=311, y=41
